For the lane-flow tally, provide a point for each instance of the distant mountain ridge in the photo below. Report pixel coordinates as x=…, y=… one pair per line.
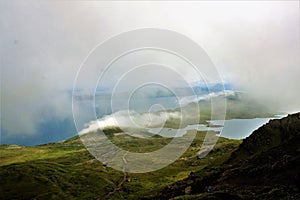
x=157, y=91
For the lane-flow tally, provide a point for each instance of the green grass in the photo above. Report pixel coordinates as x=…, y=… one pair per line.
x=67, y=171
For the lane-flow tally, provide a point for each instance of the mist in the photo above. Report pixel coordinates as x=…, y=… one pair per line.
x=254, y=45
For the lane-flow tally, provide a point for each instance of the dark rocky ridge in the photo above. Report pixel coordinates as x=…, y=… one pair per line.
x=265, y=166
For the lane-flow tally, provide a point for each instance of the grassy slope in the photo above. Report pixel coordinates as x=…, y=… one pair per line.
x=67, y=171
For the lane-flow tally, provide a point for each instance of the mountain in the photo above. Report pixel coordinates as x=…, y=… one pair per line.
x=214, y=87
x=154, y=91
x=265, y=166
x=262, y=166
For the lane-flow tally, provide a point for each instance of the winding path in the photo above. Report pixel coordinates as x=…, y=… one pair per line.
x=119, y=186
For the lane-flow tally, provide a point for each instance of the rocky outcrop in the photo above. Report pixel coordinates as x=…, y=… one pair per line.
x=265, y=166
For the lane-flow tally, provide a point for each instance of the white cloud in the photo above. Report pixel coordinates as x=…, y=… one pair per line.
x=253, y=44
x=130, y=120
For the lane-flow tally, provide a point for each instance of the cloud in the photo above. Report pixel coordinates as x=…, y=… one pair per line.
x=130, y=120
x=254, y=45
x=190, y=99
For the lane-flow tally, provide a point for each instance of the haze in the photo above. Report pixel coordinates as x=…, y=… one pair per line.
x=254, y=45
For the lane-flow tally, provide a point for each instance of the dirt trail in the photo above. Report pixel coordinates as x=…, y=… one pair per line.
x=119, y=186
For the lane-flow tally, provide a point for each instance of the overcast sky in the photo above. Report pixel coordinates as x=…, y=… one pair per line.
x=254, y=45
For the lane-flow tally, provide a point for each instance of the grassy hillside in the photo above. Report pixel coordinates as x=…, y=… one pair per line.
x=66, y=170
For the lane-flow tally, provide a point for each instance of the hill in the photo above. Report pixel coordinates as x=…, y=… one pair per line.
x=265, y=166
x=66, y=170
x=262, y=166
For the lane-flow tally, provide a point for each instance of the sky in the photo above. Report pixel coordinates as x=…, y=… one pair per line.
x=254, y=45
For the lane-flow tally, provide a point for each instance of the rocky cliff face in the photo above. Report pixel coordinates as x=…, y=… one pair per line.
x=265, y=166
x=277, y=132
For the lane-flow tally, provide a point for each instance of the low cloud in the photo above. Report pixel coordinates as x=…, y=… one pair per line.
x=129, y=120
x=254, y=45
x=194, y=99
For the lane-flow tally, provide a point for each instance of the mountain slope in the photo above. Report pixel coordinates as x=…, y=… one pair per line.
x=265, y=166
x=66, y=170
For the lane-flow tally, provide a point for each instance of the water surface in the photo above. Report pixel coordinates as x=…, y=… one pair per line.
x=233, y=128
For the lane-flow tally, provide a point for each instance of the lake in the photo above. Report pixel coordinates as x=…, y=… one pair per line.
x=233, y=128
x=240, y=128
